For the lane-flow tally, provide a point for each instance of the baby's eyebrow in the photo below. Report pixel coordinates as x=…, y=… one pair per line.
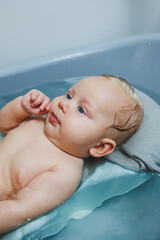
x=72, y=90
x=86, y=101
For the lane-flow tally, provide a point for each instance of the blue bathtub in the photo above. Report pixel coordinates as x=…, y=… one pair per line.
x=133, y=215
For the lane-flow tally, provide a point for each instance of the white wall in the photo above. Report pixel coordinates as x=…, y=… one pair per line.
x=32, y=29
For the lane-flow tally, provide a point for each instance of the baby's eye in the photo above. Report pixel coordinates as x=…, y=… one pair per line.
x=81, y=110
x=68, y=96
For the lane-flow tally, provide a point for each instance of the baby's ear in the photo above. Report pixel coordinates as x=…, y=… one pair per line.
x=104, y=147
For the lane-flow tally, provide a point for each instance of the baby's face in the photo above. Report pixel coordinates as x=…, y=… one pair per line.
x=78, y=120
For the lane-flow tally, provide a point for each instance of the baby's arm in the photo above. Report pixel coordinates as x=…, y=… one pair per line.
x=12, y=114
x=44, y=193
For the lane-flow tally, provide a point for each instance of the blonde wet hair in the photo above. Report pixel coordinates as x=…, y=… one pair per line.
x=121, y=132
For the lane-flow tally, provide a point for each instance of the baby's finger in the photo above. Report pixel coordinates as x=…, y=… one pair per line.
x=34, y=95
x=45, y=103
x=38, y=101
x=48, y=107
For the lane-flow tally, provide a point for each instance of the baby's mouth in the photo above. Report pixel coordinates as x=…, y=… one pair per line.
x=53, y=119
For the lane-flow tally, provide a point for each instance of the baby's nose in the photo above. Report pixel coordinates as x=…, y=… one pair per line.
x=63, y=105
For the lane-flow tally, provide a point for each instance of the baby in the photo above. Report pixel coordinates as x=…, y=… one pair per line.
x=41, y=159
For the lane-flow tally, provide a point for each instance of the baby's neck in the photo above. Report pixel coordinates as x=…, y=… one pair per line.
x=59, y=151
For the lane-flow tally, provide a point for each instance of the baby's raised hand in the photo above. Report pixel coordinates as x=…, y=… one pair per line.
x=35, y=102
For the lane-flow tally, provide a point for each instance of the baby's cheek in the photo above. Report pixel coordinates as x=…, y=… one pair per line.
x=71, y=132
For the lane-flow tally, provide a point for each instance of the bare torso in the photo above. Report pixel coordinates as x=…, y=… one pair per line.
x=25, y=153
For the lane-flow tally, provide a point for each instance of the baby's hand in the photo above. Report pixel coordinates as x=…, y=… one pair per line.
x=35, y=102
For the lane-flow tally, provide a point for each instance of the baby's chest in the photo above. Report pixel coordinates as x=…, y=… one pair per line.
x=27, y=164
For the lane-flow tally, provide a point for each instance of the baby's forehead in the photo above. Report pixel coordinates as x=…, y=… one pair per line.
x=107, y=96
x=101, y=88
